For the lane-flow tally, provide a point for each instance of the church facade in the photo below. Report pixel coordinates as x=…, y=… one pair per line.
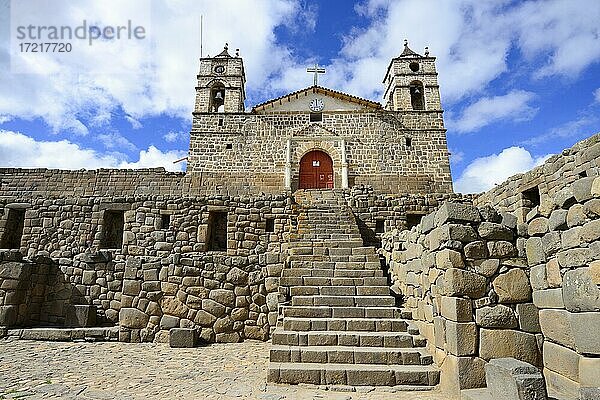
x=318, y=137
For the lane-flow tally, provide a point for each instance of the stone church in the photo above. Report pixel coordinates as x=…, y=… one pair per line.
x=325, y=223
x=318, y=137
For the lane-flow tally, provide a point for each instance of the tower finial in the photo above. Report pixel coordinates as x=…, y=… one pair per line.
x=426, y=51
x=226, y=46
x=237, y=52
x=405, y=42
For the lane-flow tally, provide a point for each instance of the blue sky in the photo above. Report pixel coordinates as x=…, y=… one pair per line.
x=520, y=80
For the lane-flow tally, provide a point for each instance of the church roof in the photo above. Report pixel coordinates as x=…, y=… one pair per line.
x=224, y=53
x=407, y=52
x=320, y=90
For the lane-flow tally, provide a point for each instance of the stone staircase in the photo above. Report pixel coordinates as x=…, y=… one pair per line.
x=340, y=325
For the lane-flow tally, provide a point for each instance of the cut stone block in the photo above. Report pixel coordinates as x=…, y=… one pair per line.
x=80, y=316
x=580, y=293
x=556, y=326
x=456, y=309
x=458, y=282
x=461, y=338
x=8, y=316
x=133, y=318
x=502, y=343
x=512, y=287
x=511, y=379
x=528, y=316
x=549, y=298
x=498, y=316
x=458, y=373
x=455, y=212
x=182, y=337
x=562, y=360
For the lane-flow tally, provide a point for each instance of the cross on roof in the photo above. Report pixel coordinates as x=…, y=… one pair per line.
x=316, y=70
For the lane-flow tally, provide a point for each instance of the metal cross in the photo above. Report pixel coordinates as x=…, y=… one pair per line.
x=316, y=70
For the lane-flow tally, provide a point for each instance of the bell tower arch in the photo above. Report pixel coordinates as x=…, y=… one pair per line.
x=221, y=84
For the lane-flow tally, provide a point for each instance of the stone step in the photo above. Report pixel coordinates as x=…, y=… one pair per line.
x=353, y=374
x=358, y=265
x=321, y=257
x=347, y=338
x=343, y=312
x=350, y=355
x=346, y=324
x=344, y=301
x=332, y=272
x=325, y=281
x=326, y=243
x=96, y=334
x=340, y=290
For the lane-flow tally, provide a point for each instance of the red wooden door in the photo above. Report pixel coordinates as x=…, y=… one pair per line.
x=316, y=171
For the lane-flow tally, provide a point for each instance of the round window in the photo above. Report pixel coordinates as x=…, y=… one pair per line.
x=414, y=66
x=219, y=69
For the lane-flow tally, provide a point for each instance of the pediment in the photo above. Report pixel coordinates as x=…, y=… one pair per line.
x=332, y=101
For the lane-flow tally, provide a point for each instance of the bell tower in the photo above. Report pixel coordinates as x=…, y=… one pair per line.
x=221, y=84
x=411, y=83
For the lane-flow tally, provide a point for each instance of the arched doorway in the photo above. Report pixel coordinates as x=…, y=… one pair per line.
x=316, y=171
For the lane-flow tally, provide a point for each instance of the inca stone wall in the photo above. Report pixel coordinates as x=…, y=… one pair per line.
x=163, y=274
x=485, y=283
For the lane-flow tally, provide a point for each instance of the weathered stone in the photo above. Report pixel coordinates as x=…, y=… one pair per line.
x=548, y=298
x=511, y=379
x=595, y=189
x=556, y=326
x=488, y=267
x=586, y=335
x=132, y=288
x=562, y=360
x=537, y=277
x=445, y=259
x=224, y=324
x=223, y=296
x=204, y=318
x=488, y=213
x=232, y=337
x=8, y=316
x=458, y=282
x=173, y=306
x=553, y=276
x=501, y=249
x=456, y=309
x=565, y=198
x=461, y=338
x=590, y=231
x=80, y=316
x=538, y=226
x=580, y=293
x=168, y=322
x=528, y=315
x=237, y=276
x=558, y=220
x=493, y=231
x=502, y=343
x=476, y=250
x=496, y=317
x=582, y=188
x=574, y=258
x=213, y=307
x=576, y=216
x=551, y=243
x=182, y=338
x=455, y=212
x=535, y=252
x=509, y=220
x=571, y=238
x=594, y=272
x=458, y=373
x=512, y=287
x=133, y=318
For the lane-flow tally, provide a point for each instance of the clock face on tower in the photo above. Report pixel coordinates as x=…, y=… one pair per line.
x=316, y=105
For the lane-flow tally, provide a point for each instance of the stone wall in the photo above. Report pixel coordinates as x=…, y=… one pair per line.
x=465, y=280
x=249, y=151
x=579, y=161
x=514, y=280
x=163, y=274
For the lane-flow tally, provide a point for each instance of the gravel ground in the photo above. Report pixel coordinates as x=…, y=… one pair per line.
x=43, y=370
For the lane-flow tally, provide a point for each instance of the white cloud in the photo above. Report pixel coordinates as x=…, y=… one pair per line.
x=456, y=156
x=115, y=141
x=153, y=158
x=174, y=136
x=485, y=172
x=21, y=151
x=487, y=110
x=575, y=129
x=597, y=95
